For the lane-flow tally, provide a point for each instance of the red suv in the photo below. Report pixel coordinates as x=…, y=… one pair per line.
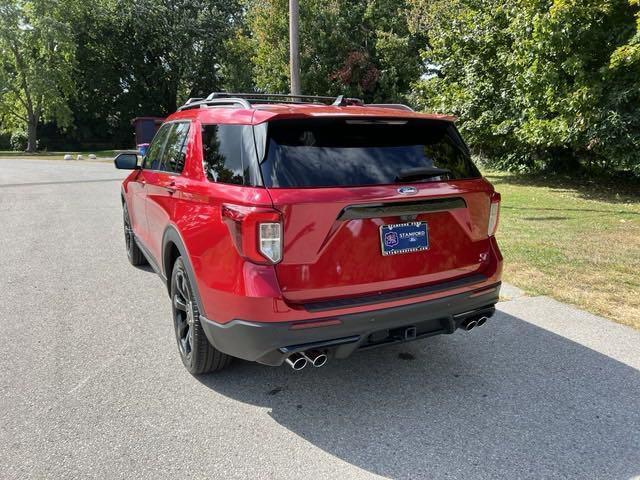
x=292, y=229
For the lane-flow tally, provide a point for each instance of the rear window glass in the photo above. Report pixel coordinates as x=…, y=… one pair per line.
x=351, y=152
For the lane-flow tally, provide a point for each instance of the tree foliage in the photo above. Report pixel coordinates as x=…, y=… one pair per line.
x=144, y=57
x=536, y=83
x=629, y=53
x=362, y=49
x=36, y=64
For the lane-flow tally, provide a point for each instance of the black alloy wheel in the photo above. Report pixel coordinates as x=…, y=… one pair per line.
x=134, y=254
x=197, y=354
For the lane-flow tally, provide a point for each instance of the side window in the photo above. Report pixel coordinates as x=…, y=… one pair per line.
x=176, y=148
x=222, y=153
x=154, y=154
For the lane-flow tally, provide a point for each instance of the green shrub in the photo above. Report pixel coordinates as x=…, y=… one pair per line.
x=18, y=141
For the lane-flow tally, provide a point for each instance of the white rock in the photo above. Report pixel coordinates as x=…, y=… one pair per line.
x=79, y=157
x=68, y=157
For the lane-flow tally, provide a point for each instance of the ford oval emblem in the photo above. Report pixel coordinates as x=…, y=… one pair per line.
x=407, y=190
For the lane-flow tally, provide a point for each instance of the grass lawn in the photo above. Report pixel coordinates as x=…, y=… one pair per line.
x=578, y=242
x=101, y=154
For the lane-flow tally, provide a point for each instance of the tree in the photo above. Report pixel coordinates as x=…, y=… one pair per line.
x=533, y=81
x=145, y=57
x=466, y=75
x=361, y=49
x=174, y=47
x=36, y=64
x=629, y=53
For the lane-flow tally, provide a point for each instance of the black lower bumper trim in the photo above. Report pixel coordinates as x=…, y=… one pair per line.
x=395, y=295
x=271, y=342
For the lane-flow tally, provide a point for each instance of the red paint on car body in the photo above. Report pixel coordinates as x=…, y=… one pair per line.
x=324, y=257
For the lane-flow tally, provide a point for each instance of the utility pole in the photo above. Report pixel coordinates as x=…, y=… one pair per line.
x=294, y=50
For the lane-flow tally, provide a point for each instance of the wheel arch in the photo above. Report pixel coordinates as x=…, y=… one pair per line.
x=172, y=248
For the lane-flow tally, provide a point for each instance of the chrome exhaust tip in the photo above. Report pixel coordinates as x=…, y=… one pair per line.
x=469, y=324
x=315, y=358
x=320, y=360
x=481, y=321
x=297, y=361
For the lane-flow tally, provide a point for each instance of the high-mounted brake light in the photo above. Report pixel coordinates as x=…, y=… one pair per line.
x=494, y=214
x=256, y=232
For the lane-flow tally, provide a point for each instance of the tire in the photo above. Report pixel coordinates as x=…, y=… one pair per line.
x=134, y=254
x=197, y=354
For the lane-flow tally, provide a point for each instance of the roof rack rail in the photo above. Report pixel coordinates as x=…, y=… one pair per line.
x=342, y=101
x=210, y=100
x=245, y=100
x=280, y=97
x=395, y=106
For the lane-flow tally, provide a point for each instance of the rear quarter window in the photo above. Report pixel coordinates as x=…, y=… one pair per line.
x=221, y=155
x=229, y=154
x=175, y=148
x=351, y=152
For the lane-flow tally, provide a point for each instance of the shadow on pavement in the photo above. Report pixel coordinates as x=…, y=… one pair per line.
x=509, y=400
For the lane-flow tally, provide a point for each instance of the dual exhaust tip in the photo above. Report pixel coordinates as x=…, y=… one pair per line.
x=472, y=323
x=298, y=361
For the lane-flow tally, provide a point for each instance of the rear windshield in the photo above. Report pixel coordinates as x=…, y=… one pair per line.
x=350, y=152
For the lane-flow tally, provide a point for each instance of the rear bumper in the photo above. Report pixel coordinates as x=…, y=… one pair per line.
x=271, y=342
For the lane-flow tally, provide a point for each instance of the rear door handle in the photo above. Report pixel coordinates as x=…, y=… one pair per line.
x=171, y=187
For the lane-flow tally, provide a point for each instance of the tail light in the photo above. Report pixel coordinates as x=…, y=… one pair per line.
x=270, y=241
x=494, y=214
x=256, y=232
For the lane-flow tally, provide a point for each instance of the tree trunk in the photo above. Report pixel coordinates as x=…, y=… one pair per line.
x=32, y=134
x=294, y=48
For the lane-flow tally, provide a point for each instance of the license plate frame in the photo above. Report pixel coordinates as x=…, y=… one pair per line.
x=399, y=238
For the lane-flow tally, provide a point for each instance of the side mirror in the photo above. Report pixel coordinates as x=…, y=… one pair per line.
x=126, y=161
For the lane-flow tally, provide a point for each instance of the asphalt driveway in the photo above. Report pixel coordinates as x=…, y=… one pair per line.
x=92, y=385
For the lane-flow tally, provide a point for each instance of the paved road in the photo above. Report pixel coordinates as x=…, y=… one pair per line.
x=92, y=385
